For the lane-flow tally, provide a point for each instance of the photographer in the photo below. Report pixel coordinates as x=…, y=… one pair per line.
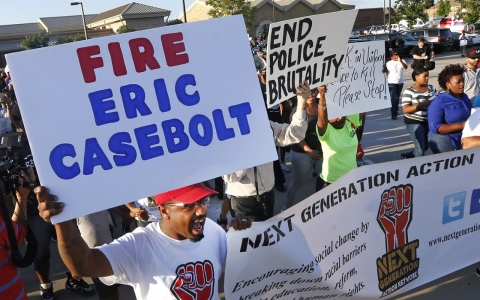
x=42, y=231
x=11, y=285
x=423, y=55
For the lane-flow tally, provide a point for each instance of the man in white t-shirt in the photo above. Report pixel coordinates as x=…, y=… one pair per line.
x=180, y=257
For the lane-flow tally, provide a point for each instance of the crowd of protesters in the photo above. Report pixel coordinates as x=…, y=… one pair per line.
x=174, y=226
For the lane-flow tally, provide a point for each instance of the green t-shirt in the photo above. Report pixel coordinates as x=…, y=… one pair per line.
x=339, y=149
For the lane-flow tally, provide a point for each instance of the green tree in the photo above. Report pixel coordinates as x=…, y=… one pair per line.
x=223, y=8
x=64, y=39
x=443, y=8
x=124, y=29
x=79, y=37
x=410, y=10
x=472, y=13
x=174, y=22
x=35, y=41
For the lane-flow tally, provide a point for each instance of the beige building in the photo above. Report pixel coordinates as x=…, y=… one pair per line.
x=136, y=15
x=270, y=11
x=455, y=6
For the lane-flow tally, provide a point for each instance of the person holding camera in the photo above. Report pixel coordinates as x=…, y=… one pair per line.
x=11, y=285
x=423, y=55
x=395, y=67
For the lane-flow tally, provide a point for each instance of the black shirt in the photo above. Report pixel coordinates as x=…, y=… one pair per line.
x=425, y=51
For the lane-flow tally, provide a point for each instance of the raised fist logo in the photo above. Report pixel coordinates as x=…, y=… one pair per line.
x=395, y=215
x=194, y=281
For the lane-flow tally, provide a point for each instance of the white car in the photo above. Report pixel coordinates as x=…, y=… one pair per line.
x=376, y=29
x=419, y=24
x=399, y=27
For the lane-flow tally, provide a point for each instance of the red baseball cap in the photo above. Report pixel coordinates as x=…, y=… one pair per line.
x=186, y=195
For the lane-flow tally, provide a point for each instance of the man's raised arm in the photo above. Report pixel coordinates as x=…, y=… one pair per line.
x=75, y=253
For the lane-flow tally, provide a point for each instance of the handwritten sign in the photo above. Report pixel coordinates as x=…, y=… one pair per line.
x=307, y=48
x=362, y=86
x=377, y=232
x=141, y=113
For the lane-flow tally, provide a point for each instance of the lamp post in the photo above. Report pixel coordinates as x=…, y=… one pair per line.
x=83, y=18
x=383, y=12
x=389, y=19
x=273, y=10
x=184, y=12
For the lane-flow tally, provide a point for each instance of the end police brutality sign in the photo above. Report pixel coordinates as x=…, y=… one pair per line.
x=116, y=119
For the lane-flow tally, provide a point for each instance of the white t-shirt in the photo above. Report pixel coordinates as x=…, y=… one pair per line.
x=157, y=266
x=395, y=71
x=152, y=208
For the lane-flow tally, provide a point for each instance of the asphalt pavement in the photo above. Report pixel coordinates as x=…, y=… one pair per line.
x=383, y=140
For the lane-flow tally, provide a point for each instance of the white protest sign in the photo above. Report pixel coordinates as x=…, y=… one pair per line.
x=377, y=232
x=133, y=115
x=362, y=86
x=307, y=48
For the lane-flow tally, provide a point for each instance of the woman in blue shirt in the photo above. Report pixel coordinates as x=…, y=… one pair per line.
x=449, y=111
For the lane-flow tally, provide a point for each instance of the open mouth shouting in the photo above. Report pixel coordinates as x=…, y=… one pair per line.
x=198, y=225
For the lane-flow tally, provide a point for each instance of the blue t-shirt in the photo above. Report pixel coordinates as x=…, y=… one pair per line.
x=447, y=109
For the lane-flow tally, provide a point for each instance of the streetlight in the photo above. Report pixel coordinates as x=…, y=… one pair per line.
x=273, y=10
x=83, y=18
x=184, y=12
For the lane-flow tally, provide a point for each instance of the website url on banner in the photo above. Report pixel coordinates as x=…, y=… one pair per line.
x=454, y=235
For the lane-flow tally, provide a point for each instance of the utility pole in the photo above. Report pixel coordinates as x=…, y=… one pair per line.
x=273, y=10
x=184, y=12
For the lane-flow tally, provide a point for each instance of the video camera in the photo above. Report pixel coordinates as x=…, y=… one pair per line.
x=15, y=156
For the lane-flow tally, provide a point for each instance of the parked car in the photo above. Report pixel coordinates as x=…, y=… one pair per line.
x=419, y=24
x=399, y=27
x=441, y=38
x=475, y=38
x=358, y=39
x=433, y=23
x=376, y=29
x=355, y=32
x=455, y=25
x=387, y=38
x=456, y=40
x=410, y=42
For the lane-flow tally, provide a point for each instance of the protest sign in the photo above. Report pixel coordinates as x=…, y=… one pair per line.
x=362, y=86
x=307, y=48
x=133, y=115
x=376, y=232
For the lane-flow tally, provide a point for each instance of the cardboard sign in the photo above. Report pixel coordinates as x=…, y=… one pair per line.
x=377, y=232
x=307, y=48
x=362, y=86
x=133, y=115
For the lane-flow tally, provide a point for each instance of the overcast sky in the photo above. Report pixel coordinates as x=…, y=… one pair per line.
x=28, y=11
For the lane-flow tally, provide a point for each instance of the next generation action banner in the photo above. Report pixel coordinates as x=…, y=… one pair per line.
x=377, y=232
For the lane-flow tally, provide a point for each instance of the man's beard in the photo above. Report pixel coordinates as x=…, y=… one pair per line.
x=198, y=238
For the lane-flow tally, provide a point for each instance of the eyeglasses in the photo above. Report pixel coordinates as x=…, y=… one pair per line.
x=205, y=202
